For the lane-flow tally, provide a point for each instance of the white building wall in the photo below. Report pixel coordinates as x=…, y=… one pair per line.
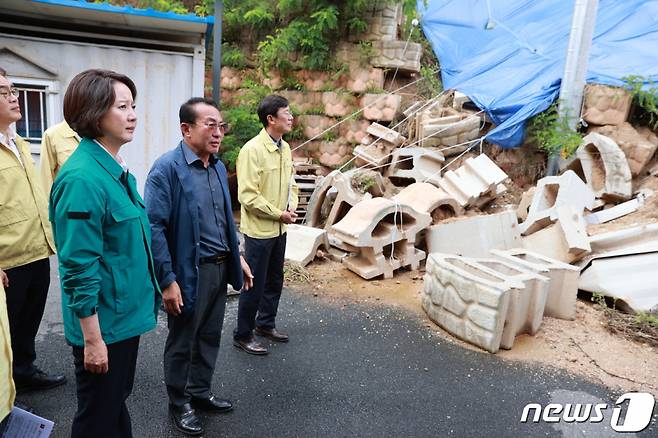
x=164, y=80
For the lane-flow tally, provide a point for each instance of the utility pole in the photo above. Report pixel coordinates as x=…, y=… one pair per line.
x=575, y=69
x=217, y=52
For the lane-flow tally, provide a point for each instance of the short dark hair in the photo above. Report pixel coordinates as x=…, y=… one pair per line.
x=187, y=114
x=89, y=96
x=3, y=72
x=269, y=106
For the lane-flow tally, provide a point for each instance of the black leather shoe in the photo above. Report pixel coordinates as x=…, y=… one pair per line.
x=251, y=346
x=37, y=382
x=272, y=334
x=185, y=419
x=212, y=404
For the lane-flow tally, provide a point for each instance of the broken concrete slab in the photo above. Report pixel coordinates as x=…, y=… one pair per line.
x=606, y=105
x=526, y=307
x=303, y=243
x=604, y=167
x=474, y=236
x=466, y=300
x=370, y=263
x=345, y=198
x=409, y=165
x=553, y=192
x=427, y=198
x=638, y=146
x=563, y=279
x=610, y=276
x=447, y=128
x=565, y=240
x=643, y=237
x=615, y=212
x=372, y=153
x=524, y=203
x=474, y=178
x=385, y=134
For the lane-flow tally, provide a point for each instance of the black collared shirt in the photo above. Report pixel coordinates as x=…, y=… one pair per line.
x=212, y=214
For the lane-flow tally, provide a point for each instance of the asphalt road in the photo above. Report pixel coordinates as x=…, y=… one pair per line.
x=364, y=370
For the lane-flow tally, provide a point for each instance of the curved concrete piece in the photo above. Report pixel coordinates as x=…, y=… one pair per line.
x=552, y=192
x=346, y=197
x=563, y=279
x=638, y=146
x=466, y=299
x=604, y=167
x=303, y=243
x=409, y=165
x=427, y=198
x=526, y=306
x=377, y=222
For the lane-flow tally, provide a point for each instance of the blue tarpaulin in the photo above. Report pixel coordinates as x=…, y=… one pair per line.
x=508, y=56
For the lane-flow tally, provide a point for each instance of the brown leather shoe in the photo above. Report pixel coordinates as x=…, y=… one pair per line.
x=272, y=334
x=251, y=346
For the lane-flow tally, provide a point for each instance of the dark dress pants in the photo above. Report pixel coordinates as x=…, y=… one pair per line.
x=102, y=410
x=258, y=306
x=26, y=300
x=194, y=336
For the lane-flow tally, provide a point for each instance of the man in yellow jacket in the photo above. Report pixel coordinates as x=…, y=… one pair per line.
x=26, y=242
x=57, y=145
x=7, y=390
x=268, y=195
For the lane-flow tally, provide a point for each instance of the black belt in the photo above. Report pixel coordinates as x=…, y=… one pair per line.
x=216, y=259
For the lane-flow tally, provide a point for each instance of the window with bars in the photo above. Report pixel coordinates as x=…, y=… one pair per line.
x=32, y=99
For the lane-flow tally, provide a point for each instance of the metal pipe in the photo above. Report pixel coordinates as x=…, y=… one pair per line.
x=575, y=69
x=217, y=52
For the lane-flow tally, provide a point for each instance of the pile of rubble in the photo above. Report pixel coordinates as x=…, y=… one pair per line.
x=489, y=277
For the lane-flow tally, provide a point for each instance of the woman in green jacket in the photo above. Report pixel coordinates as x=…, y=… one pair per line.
x=109, y=292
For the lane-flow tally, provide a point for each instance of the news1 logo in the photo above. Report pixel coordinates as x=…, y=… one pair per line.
x=637, y=418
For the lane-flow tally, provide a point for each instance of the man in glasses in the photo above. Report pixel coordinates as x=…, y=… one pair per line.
x=25, y=244
x=196, y=253
x=268, y=195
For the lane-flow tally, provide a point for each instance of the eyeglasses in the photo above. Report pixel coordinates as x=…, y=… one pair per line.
x=6, y=92
x=223, y=126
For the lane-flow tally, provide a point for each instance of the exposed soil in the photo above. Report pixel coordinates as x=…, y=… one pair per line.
x=583, y=346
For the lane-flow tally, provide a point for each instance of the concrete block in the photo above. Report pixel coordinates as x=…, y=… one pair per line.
x=446, y=127
x=638, y=146
x=314, y=80
x=372, y=152
x=553, y=192
x=401, y=55
x=369, y=263
x=383, y=23
x=409, y=165
x=231, y=78
x=427, y=198
x=380, y=107
x=606, y=105
x=303, y=243
x=338, y=104
x=526, y=304
x=474, y=178
x=604, y=167
x=385, y=134
x=361, y=79
x=640, y=238
x=353, y=131
x=304, y=101
x=474, y=236
x=314, y=125
x=467, y=300
x=345, y=198
x=377, y=222
x=524, y=203
x=565, y=240
x=563, y=279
